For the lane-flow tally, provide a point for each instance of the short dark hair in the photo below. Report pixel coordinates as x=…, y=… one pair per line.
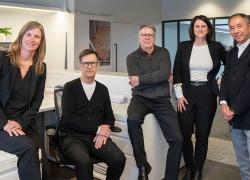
x=148, y=26
x=86, y=52
x=205, y=19
x=244, y=16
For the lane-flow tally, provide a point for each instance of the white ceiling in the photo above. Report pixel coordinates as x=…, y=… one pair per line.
x=138, y=11
x=49, y=3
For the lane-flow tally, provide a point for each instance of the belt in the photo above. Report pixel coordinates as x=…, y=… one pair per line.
x=198, y=83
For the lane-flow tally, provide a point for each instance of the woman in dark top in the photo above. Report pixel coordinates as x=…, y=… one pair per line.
x=197, y=63
x=22, y=82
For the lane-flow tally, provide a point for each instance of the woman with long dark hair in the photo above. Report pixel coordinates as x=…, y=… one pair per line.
x=197, y=63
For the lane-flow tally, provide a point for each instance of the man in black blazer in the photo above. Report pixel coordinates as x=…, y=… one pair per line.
x=234, y=95
x=87, y=117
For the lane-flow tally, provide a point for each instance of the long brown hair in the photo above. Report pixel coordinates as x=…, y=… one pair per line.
x=38, y=58
x=209, y=36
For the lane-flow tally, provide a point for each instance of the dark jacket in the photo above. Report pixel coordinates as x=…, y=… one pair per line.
x=81, y=116
x=181, y=70
x=235, y=87
x=8, y=74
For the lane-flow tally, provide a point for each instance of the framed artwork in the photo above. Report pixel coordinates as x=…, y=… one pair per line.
x=99, y=39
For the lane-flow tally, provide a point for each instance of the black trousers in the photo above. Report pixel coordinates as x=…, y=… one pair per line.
x=80, y=149
x=200, y=111
x=167, y=119
x=26, y=151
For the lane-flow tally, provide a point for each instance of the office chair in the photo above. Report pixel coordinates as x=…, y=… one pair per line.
x=54, y=132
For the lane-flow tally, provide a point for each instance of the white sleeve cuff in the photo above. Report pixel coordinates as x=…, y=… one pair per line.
x=223, y=102
x=178, y=90
x=98, y=130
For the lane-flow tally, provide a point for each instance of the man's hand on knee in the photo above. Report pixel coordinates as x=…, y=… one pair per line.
x=102, y=135
x=100, y=140
x=13, y=128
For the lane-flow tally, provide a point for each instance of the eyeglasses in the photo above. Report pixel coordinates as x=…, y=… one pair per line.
x=87, y=64
x=150, y=36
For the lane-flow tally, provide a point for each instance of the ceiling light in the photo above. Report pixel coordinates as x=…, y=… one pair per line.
x=29, y=7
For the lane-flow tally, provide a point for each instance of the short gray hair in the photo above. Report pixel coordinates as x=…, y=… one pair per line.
x=148, y=26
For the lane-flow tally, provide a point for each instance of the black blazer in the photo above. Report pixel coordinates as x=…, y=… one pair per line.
x=8, y=74
x=181, y=71
x=235, y=87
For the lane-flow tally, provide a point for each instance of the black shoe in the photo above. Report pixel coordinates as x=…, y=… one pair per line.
x=198, y=175
x=188, y=174
x=144, y=172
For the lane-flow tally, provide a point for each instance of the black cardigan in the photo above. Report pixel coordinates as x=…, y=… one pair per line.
x=8, y=74
x=81, y=116
x=181, y=72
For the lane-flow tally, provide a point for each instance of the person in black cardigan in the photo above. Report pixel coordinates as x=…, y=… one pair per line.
x=87, y=117
x=22, y=82
x=197, y=63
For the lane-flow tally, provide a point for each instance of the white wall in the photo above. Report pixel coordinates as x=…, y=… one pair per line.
x=55, y=24
x=186, y=9
x=126, y=38
x=125, y=11
x=125, y=35
x=127, y=15
x=81, y=25
x=77, y=27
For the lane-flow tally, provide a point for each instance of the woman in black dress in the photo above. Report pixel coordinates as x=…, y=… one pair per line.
x=22, y=83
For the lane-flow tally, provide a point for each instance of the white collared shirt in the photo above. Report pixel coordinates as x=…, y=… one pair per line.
x=242, y=47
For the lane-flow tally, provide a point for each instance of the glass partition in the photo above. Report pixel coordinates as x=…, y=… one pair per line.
x=222, y=33
x=170, y=38
x=184, y=30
